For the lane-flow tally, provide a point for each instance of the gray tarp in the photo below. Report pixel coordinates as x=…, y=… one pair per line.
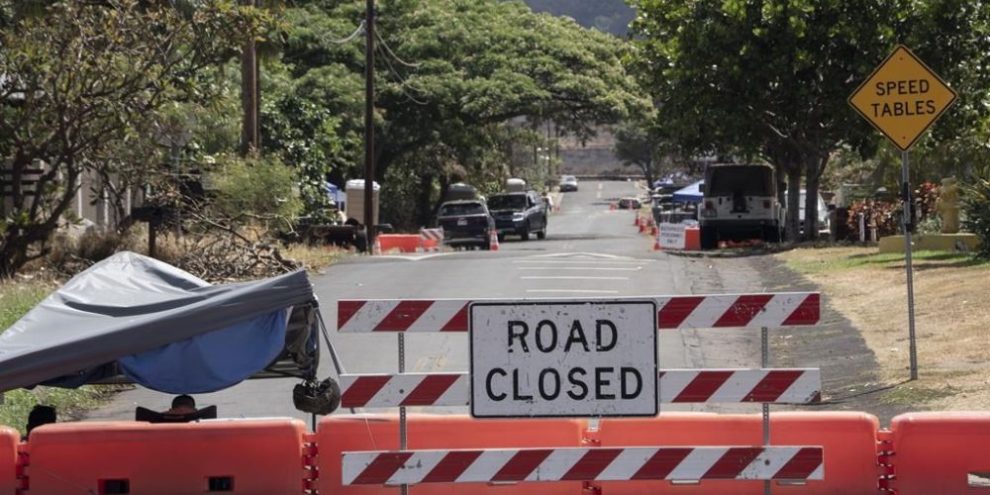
x=128, y=304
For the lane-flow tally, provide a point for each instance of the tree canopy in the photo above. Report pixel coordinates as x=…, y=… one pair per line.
x=770, y=79
x=81, y=87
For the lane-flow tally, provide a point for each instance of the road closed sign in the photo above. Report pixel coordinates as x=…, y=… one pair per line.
x=902, y=98
x=563, y=359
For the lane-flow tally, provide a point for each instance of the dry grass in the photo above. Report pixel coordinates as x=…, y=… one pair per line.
x=952, y=318
x=314, y=258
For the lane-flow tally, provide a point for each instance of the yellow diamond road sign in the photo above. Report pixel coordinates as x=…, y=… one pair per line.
x=902, y=98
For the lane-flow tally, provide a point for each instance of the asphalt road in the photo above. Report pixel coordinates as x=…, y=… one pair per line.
x=590, y=251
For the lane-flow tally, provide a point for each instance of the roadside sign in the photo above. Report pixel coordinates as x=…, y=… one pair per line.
x=563, y=359
x=902, y=98
x=671, y=236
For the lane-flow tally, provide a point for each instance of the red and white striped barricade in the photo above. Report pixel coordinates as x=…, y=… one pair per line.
x=431, y=239
x=792, y=462
x=784, y=309
x=588, y=464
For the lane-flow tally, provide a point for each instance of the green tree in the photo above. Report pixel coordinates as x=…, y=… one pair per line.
x=637, y=145
x=80, y=82
x=453, y=76
x=770, y=79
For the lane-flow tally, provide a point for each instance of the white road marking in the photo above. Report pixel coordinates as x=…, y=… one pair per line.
x=598, y=195
x=586, y=268
x=586, y=254
x=573, y=291
x=416, y=257
x=565, y=277
x=578, y=262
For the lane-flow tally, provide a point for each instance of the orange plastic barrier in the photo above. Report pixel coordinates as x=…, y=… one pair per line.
x=406, y=243
x=692, y=239
x=236, y=456
x=937, y=453
x=429, y=244
x=849, y=440
x=337, y=434
x=9, y=438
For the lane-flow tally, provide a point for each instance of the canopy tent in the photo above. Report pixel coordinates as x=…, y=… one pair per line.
x=151, y=323
x=690, y=194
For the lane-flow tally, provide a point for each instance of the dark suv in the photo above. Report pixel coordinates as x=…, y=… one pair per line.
x=519, y=214
x=465, y=223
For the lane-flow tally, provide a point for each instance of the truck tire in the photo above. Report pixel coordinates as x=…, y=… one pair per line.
x=542, y=234
x=524, y=234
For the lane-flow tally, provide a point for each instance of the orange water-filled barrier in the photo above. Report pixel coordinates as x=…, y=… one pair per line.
x=405, y=243
x=941, y=452
x=339, y=434
x=848, y=439
x=238, y=456
x=692, y=239
x=9, y=438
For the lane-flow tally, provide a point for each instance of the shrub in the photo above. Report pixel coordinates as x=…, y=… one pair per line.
x=976, y=209
x=884, y=215
x=257, y=189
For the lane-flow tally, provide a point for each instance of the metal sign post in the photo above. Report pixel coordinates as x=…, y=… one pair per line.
x=902, y=98
x=765, y=363
x=908, y=206
x=403, y=489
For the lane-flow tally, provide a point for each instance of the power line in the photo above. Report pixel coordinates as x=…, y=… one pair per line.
x=348, y=39
x=403, y=83
x=390, y=52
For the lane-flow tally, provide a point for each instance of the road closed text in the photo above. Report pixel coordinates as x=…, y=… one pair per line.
x=563, y=359
x=578, y=382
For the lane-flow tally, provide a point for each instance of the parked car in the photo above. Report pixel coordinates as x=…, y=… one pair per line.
x=740, y=202
x=519, y=213
x=629, y=204
x=568, y=183
x=465, y=223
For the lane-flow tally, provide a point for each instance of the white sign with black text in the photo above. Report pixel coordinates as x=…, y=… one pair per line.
x=563, y=359
x=671, y=235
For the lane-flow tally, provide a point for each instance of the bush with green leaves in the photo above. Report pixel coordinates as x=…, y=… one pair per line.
x=976, y=209
x=253, y=189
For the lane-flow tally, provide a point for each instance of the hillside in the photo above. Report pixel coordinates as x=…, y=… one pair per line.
x=612, y=16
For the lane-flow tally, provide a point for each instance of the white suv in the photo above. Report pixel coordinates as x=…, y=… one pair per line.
x=740, y=202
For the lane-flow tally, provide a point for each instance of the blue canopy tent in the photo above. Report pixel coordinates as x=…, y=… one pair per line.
x=690, y=194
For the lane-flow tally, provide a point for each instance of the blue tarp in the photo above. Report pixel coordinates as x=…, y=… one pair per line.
x=212, y=361
x=690, y=194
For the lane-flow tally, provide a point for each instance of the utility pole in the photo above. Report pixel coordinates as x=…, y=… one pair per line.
x=369, y=122
x=250, y=96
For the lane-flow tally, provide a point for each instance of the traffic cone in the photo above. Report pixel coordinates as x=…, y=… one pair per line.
x=656, y=241
x=376, y=249
x=492, y=240
x=611, y=206
x=636, y=222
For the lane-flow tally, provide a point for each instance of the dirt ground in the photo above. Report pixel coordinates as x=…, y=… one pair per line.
x=952, y=320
